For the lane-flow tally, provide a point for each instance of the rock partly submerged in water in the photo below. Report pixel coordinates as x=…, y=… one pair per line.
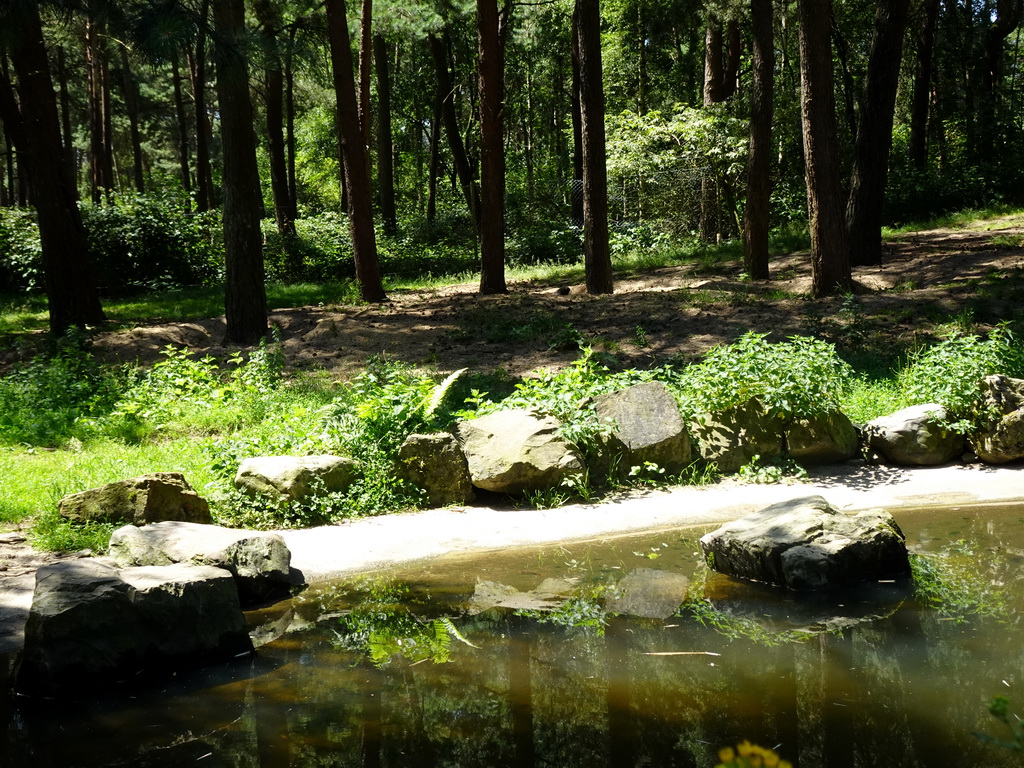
x=807, y=544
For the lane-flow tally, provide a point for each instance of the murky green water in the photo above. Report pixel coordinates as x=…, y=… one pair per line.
x=897, y=682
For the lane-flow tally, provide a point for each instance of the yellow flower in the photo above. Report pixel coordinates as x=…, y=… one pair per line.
x=745, y=748
x=727, y=754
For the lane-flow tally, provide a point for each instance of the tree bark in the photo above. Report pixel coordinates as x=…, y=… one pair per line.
x=576, y=203
x=269, y=15
x=356, y=161
x=365, y=68
x=385, y=145
x=101, y=182
x=830, y=261
x=245, y=300
x=874, y=134
x=182, y=120
x=131, y=103
x=446, y=93
x=492, y=150
x=757, y=213
x=65, y=116
x=918, y=142
x=70, y=289
x=596, y=251
x=197, y=71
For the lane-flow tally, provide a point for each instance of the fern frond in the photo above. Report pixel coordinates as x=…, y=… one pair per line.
x=439, y=393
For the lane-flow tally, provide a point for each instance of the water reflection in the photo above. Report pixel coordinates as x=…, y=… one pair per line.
x=354, y=682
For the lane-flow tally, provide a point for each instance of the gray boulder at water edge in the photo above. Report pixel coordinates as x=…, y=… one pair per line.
x=646, y=427
x=260, y=562
x=436, y=464
x=1002, y=441
x=515, y=451
x=648, y=593
x=915, y=436
x=140, y=500
x=826, y=438
x=294, y=477
x=731, y=438
x=807, y=544
x=92, y=624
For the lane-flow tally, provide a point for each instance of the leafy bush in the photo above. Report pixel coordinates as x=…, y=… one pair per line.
x=949, y=372
x=49, y=399
x=796, y=378
x=152, y=241
x=321, y=250
x=21, y=254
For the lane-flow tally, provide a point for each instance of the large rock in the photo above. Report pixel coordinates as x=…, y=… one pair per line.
x=138, y=501
x=915, y=436
x=515, y=451
x=731, y=438
x=807, y=544
x=827, y=438
x=646, y=427
x=436, y=464
x=295, y=477
x=260, y=562
x=1002, y=441
x=92, y=624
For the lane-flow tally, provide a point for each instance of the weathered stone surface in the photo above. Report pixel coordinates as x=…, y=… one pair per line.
x=294, y=477
x=91, y=623
x=259, y=561
x=648, y=593
x=734, y=436
x=1003, y=440
x=915, y=436
x=548, y=595
x=646, y=427
x=828, y=438
x=140, y=500
x=807, y=544
x=436, y=464
x=516, y=450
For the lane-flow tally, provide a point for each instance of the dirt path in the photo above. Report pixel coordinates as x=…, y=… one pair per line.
x=927, y=278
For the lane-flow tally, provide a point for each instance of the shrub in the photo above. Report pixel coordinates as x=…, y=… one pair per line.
x=20, y=252
x=799, y=377
x=949, y=372
x=50, y=398
x=153, y=241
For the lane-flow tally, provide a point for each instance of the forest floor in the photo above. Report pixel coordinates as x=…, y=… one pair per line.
x=928, y=279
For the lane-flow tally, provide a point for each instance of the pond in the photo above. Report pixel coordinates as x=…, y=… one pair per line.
x=515, y=659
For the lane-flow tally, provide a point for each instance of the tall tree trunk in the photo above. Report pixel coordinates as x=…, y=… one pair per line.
x=289, y=120
x=182, y=120
x=131, y=103
x=492, y=150
x=874, y=134
x=356, y=161
x=830, y=261
x=100, y=163
x=70, y=289
x=269, y=15
x=757, y=214
x=1007, y=18
x=365, y=69
x=65, y=116
x=446, y=92
x=713, y=47
x=435, y=158
x=576, y=202
x=918, y=142
x=596, y=251
x=204, y=134
x=385, y=145
x=245, y=299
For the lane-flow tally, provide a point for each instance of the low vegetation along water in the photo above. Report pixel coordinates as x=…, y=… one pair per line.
x=419, y=668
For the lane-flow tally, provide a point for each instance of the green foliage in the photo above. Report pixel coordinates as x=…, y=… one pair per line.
x=384, y=625
x=951, y=582
x=796, y=378
x=21, y=257
x=765, y=471
x=582, y=611
x=153, y=241
x=53, y=533
x=50, y=398
x=949, y=373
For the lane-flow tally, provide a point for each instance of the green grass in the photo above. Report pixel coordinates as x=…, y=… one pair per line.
x=956, y=219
